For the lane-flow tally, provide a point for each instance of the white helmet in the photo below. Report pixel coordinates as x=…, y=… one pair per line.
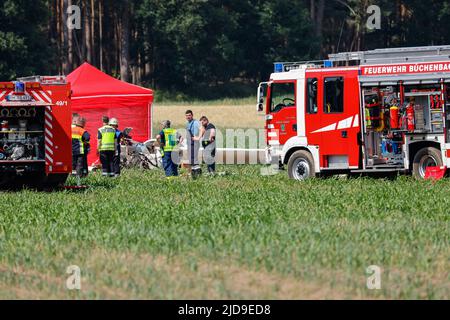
x=113, y=122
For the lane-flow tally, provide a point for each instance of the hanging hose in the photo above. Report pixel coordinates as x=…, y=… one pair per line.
x=13, y=113
x=32, y=113
x=22, y=113
x=5, y=113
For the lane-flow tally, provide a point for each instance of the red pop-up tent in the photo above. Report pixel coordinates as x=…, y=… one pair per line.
x=96, y=94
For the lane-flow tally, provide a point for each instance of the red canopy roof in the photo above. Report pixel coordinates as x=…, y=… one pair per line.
x=88, y=82
x=96, y=94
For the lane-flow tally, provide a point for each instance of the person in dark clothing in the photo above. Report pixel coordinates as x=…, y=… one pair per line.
x=119, y=136
x=80, y=139
x=208, y=138
x=87, y=150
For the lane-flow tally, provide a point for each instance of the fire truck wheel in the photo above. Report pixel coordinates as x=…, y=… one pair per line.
x=301, y=166
x=426, y=157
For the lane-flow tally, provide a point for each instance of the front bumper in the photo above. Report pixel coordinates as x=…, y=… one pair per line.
x=274, y=155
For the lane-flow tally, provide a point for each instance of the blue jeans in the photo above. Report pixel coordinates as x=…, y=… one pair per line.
x=170, y=167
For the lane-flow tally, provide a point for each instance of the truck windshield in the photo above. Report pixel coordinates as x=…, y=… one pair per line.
x=282, y=96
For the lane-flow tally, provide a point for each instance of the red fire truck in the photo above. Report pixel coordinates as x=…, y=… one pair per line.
x=378, y=111
x=35, y=136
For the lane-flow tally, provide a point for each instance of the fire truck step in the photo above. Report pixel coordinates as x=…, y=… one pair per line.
x=379, y=170
x=386, y=166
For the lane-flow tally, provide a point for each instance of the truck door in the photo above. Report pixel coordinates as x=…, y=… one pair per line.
x=282, y=113
x=333, y=124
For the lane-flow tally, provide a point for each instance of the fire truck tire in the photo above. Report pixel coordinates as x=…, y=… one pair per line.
x=301, y=166
x=426, y=157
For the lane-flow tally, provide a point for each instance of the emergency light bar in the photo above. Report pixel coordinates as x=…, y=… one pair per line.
x=288, y=66
x=19, y=94
x=19, y=98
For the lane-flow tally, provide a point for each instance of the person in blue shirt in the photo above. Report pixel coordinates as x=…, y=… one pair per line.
x=193, y=143
x=119, y=135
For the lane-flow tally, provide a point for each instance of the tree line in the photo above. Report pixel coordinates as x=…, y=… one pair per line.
x=190, y=45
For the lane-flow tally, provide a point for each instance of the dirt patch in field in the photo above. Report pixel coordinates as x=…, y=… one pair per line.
x=112, y=275
x=107, y=275
x=21, y=283
x=194, y=278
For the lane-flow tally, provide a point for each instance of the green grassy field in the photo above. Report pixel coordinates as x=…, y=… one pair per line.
x=232, y=237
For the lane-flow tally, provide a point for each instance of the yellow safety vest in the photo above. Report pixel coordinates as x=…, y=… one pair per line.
x=77, y=136
x=368, y=119
x=108, y=141
x=170, y=138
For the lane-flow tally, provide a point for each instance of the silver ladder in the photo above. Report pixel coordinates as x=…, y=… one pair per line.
x=394, y=55
x=45, y=79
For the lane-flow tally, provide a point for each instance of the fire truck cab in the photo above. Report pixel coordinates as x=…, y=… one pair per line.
x=35, y=136
x=385, y=110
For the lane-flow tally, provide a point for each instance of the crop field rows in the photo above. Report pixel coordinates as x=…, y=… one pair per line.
x=224, y=116
x=241, y=235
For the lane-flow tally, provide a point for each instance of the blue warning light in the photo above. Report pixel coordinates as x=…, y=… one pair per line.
x=279, y=67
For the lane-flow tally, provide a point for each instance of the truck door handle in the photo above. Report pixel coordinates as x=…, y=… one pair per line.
x=344, y=134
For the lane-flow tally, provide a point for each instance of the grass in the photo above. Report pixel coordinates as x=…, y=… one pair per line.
x=236, y=236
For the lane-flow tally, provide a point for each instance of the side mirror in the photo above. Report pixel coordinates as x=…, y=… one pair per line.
x=260, y=107
x=261, y=103
x=262, y=89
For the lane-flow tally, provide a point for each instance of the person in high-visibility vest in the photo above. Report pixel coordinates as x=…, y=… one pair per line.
x=169, y=139
x=80, y=142
x=107, y=144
